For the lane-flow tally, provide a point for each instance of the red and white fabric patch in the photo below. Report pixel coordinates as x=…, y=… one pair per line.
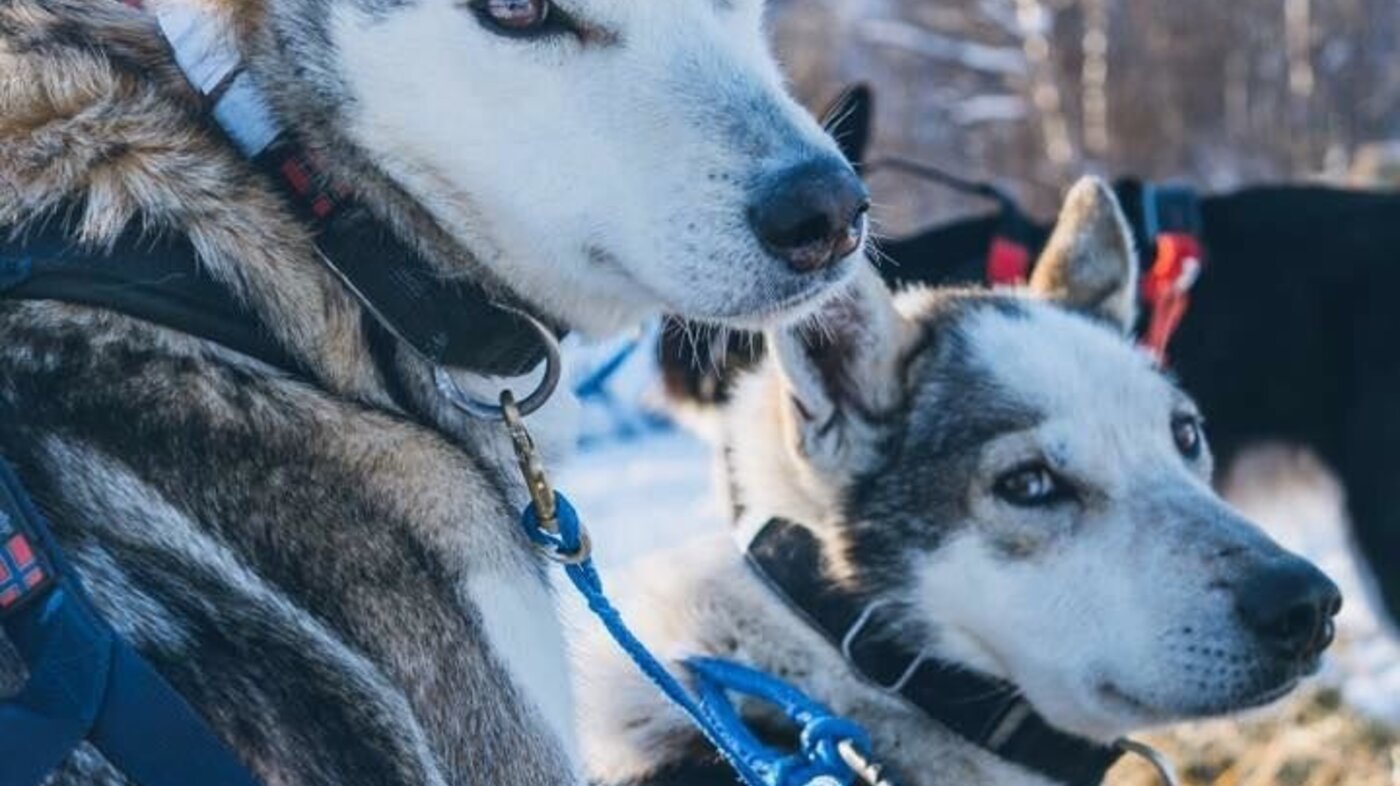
x=22, y=573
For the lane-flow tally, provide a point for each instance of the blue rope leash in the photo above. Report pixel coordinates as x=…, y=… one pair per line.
x=818, y=759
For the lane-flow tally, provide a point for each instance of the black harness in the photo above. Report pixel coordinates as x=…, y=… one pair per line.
x=158, y=281
x=988, y=712
x=457, y=325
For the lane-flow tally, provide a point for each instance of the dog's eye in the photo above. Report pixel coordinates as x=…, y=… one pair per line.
x=1186, y=432
x=515, y=17
x=1031, y=486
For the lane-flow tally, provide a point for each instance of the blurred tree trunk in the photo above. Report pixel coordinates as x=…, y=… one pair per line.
x=1032, y=92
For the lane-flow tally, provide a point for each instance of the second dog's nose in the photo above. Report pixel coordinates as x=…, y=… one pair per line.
x=1290, y=605
x=811, y=215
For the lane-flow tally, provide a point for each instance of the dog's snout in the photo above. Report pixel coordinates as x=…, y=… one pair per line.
x=812, y=215
x=1290, y=605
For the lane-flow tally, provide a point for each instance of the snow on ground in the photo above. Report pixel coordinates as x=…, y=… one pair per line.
x=643, y=495
x=652, y=489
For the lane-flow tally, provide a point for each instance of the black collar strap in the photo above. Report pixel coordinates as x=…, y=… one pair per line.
x=457, y=324
x=985, y=711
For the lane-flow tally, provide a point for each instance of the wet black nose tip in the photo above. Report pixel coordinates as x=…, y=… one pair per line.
x=1290, y=605
x=811, y=215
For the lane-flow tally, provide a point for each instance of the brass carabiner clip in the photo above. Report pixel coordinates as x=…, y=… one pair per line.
x=531, y=464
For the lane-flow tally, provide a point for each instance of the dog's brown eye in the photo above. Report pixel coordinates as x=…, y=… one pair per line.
x=515, y=16
x=1186, y=431
x=1030, y=486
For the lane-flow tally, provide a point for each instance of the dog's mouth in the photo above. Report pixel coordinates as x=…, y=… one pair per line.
x=805, y=293
x=1149, y=713
x=784, y=298
x=1121, y=700
x=1267, y=695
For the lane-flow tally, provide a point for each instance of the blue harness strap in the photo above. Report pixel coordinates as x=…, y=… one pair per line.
x=85, y=682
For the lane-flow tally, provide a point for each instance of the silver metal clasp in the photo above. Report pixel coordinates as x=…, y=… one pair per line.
x=486, y=410
x=870, y=772
x=1166, y=771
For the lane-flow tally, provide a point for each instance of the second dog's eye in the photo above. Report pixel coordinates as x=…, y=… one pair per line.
x=515, y=17
x=1031, y=486
x=1186, y=432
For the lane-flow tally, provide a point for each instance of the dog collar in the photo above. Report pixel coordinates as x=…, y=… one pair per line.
x=447, y=323
x=988, y=712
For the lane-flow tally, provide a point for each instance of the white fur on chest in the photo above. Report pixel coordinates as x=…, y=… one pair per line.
x=521, y=621
x=518, y=610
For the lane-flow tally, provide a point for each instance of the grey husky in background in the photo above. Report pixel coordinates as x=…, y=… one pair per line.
x=327, y=564
x=1020, y=484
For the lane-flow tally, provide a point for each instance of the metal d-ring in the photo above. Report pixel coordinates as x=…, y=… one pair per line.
x=1165, y=771
x=490, y=410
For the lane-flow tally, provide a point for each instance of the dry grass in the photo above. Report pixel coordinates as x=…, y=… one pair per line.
x=1313, y=741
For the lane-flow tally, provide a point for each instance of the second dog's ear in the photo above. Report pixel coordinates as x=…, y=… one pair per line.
x=841, y=370
x=1090, y=264
x=849, y=119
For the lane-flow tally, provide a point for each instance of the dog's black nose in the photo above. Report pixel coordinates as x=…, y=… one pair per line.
x=811, y=215
x=1290, y=605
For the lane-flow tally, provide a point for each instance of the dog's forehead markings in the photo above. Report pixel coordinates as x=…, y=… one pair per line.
x=1067, y=366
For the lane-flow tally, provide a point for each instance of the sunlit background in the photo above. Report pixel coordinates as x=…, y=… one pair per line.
x=1030, y=93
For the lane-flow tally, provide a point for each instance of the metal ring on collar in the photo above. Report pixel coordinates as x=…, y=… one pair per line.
x=1165, y=771
x=848, y=641
x=490, y=410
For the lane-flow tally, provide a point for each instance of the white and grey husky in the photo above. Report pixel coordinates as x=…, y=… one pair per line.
x=980, y=524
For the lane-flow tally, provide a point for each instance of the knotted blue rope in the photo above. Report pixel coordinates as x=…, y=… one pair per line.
x=817, y=759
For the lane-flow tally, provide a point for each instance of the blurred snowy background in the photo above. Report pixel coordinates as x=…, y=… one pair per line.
x=1030, y=94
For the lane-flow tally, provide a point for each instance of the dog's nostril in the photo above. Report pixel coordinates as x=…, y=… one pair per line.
x=1290, y=605
x=812, y=215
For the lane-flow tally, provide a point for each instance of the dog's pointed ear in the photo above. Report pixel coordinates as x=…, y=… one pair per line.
x=849, y=120
x=841, y=369
x=1090, y=264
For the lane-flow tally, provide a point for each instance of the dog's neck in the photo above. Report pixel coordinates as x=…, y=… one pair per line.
x=152, y=160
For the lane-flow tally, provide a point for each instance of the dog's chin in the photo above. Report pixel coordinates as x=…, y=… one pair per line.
x=789, y=299
x=1134, y=709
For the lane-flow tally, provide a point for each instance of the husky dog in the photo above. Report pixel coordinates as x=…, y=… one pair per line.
x=1280, y=344
x=326, y=563
x=1006, y=490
